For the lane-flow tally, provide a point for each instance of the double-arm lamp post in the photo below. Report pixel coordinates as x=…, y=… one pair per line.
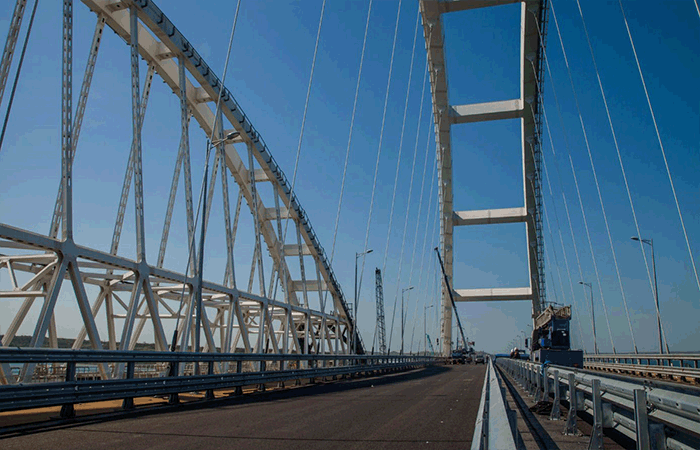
x=650, y=243
x=595, y=341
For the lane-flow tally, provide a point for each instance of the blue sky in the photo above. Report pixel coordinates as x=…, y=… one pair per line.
x=268, y=76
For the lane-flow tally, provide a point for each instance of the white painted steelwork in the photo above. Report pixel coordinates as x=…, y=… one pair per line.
x=526, y=109
x=138, y=292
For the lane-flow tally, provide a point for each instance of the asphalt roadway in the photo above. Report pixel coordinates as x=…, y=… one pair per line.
x=434, y=407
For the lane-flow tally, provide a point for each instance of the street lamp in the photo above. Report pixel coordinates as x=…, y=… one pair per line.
x=230, y=136
x=595, y=341
x=402, y=315
x=650, y=242
x=425, y=330
x=354, y=328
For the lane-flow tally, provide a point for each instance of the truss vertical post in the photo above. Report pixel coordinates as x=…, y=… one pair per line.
x=67, y=120
x=136, y=124
x=256, y=219
x=80, y=111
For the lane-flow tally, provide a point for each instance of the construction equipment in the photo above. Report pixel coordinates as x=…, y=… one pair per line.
x=452, y=299
x=432, y=349
x=381, y=329
x=551, y=341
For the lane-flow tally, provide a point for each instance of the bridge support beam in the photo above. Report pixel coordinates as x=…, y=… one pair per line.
x=526, y=108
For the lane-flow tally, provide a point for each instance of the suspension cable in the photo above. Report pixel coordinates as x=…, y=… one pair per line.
x=19, y=69
x=661, y=146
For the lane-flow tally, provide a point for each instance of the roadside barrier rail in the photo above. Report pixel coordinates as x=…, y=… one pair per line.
x=677, y=366
x=654, y=417
x=496, y=424
x=115, y=373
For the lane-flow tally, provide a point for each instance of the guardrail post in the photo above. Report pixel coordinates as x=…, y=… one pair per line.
x=531, y=381
x=174, y=399
x=556, y=412
x=571, y=428
x=526, y=380
x=209, y=394
x=68, y=409
x=596, y=442
x=128, y=402
x=263, y=368
x=545, y=384
x=281, y=383
x=239, y=369
x=538, y=378
x=641, y=420
x=312, y=366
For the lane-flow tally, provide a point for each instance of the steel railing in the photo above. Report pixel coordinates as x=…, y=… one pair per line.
x=496, y=424
x=116, y=373
x=679, y=366
x=654, y=417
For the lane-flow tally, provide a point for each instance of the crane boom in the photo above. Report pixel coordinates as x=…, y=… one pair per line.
x=452, y=299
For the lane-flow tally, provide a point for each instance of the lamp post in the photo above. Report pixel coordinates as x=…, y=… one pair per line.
x=650, y=243
x=595, y=341
x=425, y=329
x=354, y=326
x=402, y=315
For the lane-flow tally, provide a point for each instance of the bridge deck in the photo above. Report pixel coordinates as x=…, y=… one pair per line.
x=436, y=405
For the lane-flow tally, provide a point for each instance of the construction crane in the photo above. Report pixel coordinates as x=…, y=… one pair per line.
x=432, y=349
x=449, y=291
x=381, y=328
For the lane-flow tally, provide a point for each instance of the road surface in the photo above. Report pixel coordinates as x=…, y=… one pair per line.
x=433, y=408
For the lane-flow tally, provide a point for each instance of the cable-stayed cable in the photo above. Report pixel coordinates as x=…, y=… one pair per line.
x=578, y=192
x=352, y=124
x=597, y=185
x=306, y=109
x=661, y=146
x=624, y=176
x=398, y=166
x=379, y=147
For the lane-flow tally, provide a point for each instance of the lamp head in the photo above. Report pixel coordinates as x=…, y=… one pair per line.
x=634, y=238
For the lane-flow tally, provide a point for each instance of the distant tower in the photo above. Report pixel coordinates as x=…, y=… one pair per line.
x=381, y=329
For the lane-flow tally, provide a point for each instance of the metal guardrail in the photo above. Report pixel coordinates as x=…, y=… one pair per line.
x=653, y=417
x=496, y=424
x=677, y=366
x=690, y=360
x=218, y=371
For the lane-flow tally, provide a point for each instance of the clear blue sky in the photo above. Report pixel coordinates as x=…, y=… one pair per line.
x=268, y=75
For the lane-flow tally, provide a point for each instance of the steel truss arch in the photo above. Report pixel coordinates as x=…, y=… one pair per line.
x=280, y=326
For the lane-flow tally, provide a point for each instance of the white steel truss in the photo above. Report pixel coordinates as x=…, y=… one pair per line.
x=135, y=293
x=526, y=109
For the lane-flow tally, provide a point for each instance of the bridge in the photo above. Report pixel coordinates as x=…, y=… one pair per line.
x=165, y=281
